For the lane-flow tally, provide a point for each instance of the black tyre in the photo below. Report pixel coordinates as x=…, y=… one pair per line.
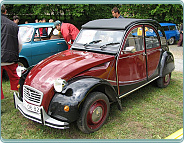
x=171, y=41
x=23, y=63
x=164, y=81
x=94, y=112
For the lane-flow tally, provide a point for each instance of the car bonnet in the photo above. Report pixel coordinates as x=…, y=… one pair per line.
x=63, y=65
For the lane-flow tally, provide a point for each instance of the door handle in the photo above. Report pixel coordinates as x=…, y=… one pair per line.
x=59, y=43
x=144, y=54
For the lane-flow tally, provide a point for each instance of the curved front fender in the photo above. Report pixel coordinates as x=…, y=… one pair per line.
x=75, y=93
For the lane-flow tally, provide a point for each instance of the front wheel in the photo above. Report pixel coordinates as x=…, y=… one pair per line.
x=164, y=81
x=94, y=112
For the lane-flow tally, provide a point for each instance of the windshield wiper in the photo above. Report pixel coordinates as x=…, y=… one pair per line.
x=104, y=46
x=92, y=42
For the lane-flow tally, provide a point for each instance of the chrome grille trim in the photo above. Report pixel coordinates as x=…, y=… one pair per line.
x=32, y=95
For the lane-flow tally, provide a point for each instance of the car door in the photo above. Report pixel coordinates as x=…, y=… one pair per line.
x=43, y=46
x=139, y=59
x=131, y=63
x=153, y=52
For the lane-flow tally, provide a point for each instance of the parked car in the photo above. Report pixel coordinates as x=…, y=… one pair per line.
x=38, y=45
x=171, y=32
x=106, y=62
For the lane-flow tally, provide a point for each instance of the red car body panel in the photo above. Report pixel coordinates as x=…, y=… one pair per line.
x=66, y=65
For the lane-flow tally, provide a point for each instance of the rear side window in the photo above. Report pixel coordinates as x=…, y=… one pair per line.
x=162, y=36
x=166, y=28
x=172, y=27
x=151, y=38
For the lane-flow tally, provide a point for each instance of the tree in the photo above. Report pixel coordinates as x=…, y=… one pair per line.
x=79, y=14
x=161, y=12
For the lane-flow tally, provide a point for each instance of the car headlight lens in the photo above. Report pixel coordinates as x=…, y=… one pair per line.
x=59, y=84
x=20, y=70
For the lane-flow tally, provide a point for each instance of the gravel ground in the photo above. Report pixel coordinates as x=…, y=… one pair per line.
x=178, y=57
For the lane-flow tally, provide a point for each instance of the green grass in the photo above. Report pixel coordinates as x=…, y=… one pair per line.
x=148, y=113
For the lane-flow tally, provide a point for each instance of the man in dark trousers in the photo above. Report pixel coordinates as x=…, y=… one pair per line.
x=10, y=46
x=68, y=31
x=180, y=42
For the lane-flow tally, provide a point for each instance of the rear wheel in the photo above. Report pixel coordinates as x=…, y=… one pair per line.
x=171, y=41
x=164, y=81
x=94, y=112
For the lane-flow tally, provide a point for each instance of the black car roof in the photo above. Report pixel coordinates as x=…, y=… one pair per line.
x=115, y=23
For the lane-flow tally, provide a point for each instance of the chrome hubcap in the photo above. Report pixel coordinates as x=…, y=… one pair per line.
x=167, y=78
x=171, y=40
x=97, y=114
x=20, y=64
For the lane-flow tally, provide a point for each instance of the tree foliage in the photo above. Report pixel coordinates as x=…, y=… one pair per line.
x=160, y=12
x=81, y=13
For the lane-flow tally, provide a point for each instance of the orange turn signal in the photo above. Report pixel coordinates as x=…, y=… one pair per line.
x=18, y=86
x=66, y=108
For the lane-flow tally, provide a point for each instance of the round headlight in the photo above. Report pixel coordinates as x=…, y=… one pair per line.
x=20, y=70
x=59, y=84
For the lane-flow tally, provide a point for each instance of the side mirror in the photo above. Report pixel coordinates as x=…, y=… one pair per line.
x=130, y=49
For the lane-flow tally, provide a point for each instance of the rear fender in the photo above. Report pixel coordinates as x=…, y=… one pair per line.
x=166, y=63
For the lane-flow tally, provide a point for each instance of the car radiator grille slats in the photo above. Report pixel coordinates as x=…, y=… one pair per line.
x=32, y=95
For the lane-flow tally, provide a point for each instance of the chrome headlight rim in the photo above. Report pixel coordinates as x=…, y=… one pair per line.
x=20, y=70
x=59, y=84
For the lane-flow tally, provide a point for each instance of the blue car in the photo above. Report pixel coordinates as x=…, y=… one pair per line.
x=171, y=32
x=40, y=41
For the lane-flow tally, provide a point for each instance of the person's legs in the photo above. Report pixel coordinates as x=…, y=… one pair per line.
x=2, y=95
x=181, y=40
x=14, y=79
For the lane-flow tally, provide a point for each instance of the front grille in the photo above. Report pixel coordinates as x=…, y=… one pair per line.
x=32, y=95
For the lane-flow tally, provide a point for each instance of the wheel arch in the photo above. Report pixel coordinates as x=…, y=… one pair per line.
x=24, y=59
x=102, y=86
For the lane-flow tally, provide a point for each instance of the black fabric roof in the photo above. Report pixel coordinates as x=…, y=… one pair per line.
x=114, y=23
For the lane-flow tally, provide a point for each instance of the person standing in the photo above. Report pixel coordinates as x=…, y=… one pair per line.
x=36, y=20
x=43, y=31
x=10, y=48
x=51, y=20
x=68, y=31
x=116, y=13
x=180, y=42
x=16, y=19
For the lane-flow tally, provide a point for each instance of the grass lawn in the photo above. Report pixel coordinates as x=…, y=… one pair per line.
x=149, y=113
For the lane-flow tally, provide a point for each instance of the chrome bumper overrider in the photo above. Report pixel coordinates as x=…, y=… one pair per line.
x=42, y=118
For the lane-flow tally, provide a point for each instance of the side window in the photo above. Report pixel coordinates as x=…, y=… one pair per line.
x=162, y=37
x=172, y=27
x=37, y=35
x=151, y=38
x=135, y=40
x=166, y=28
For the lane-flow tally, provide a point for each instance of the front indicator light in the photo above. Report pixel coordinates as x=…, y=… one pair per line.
x=66, y=108
x=18, y=86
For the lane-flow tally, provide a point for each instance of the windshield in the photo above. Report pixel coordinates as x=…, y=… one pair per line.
x=26, y=33
x=99, y=40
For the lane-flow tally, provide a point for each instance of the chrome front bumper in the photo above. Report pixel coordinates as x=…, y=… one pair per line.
x=42, y=118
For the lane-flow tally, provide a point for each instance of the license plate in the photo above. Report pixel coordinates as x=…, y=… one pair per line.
x=31, y=107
